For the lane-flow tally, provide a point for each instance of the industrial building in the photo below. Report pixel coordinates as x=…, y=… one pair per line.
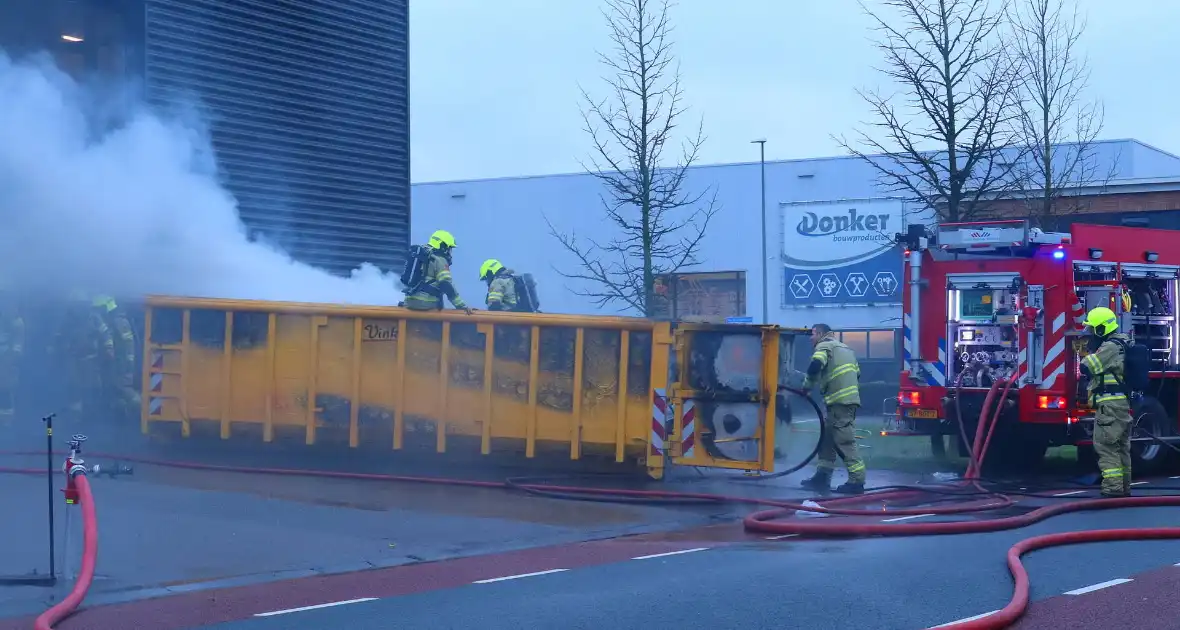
x=307, y=102
x=828, y=237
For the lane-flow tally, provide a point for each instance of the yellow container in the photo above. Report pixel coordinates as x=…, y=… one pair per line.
x=365, y=375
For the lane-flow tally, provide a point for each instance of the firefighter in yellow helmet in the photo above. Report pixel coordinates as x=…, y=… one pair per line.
x=119, y=373
x=426, y=291
x=501, y=289
x=83, y=345
x=1108, y=398
x=835, y=369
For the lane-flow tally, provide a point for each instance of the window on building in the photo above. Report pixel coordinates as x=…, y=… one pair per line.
x=858, y=341
x=882, y=344
x=871, y=344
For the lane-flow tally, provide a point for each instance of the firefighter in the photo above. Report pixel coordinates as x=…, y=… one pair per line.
x=436, y=278
x=12, y=349
x=501, y=288
x=83, y=345
x=835, y=369
x=119, y=374
x=1108, y=398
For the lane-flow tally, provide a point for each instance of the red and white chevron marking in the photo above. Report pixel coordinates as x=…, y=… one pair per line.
x=1055, y=355
x=659, y=415
x=688, y=435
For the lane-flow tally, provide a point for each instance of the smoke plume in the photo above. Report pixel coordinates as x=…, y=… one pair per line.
x=132, y=210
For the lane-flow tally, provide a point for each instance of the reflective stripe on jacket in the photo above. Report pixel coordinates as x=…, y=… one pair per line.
x=502, y=292
x=1106, y=371
x=840, y=377
x=436, y=282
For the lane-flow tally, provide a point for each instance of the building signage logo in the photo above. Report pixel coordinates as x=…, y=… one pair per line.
x=855, y=225
x=839, y=235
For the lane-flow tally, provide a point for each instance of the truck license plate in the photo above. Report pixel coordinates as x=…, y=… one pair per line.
x=921, y=413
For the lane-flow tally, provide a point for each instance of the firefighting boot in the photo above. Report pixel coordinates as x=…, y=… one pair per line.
x=851, y=488
x=821, y=481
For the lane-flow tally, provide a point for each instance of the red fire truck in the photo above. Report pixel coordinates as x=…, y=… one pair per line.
x=1000, y=300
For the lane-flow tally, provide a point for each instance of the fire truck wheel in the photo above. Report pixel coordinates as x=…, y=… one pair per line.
x=1149, y=457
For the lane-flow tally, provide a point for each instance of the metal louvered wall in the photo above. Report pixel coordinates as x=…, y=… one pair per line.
x=308, y=102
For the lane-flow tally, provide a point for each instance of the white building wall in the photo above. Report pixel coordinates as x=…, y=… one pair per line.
x=506, y=219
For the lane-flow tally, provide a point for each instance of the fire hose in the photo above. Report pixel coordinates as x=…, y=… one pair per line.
x=77, y=491
x=763, y=522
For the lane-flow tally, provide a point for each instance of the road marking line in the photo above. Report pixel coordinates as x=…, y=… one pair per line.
x=1070, y=493
x=781, y=536
x=303, y=608
x=965, y=619
x=1097, y=587
x=1139, y=483
x=904, y=518
x=517, y=577
x=1176, y=477
x=670, y=553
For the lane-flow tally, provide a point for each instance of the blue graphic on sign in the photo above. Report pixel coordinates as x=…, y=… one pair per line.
x=856, y=284
x=739, y=320
x=829, y=285
x=885, y=283
x=872, y=281
x=799, y=285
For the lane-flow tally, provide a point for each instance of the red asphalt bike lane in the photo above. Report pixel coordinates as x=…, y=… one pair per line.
x=1149, y=600
x=207, y=607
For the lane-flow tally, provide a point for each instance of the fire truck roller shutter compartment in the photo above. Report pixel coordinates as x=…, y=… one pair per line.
x=983, y=326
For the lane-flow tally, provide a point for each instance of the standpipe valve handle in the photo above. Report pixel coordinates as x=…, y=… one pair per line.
x=74, y=466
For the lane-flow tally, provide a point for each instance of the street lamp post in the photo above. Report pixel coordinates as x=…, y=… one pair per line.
x=765, y=284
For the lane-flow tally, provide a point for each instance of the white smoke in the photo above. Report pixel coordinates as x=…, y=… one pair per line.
x=134, y=210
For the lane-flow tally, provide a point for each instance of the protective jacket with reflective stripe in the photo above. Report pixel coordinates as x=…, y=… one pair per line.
x=502, y=292
x=1106, y=370
x=839, y=377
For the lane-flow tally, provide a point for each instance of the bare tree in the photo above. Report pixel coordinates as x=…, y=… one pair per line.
x=658, y=222
x=1057, y=124
x=945, y=140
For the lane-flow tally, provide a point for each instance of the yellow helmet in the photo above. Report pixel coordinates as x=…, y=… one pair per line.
x=1102, y=320
x=441, y=238
x=489, y=268
x=104, y=302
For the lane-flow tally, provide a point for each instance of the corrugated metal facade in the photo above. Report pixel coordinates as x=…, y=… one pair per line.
x=308, y=102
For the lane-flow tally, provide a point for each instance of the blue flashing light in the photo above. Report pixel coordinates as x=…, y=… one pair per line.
x=1058, y=254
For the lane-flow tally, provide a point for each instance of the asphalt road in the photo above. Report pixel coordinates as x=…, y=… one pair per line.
x=710, y=578
x=885, y=584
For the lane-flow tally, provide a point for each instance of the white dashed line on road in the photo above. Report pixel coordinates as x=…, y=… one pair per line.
x=1097, y=587
x=303, y=608
x=1176, y=477
x=1139, y=483
x=517, y=577
x=781, y=536
x=670, y=553
x=903, y=518
x=1070, y=493
x=964, y=620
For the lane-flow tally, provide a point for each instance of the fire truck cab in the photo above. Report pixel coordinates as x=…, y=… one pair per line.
x=994, y=300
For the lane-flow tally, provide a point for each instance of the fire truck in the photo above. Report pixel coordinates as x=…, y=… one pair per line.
x=1003, y=301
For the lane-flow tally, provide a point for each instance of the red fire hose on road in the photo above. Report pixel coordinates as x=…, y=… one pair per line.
x=764, y=522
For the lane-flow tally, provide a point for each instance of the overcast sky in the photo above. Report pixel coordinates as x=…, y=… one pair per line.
x=494, y=85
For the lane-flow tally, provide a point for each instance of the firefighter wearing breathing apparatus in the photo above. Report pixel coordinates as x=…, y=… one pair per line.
x=501, y=289
x=1109, y=399
x=119, y=373
x=430, y=279
x=835, y=369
